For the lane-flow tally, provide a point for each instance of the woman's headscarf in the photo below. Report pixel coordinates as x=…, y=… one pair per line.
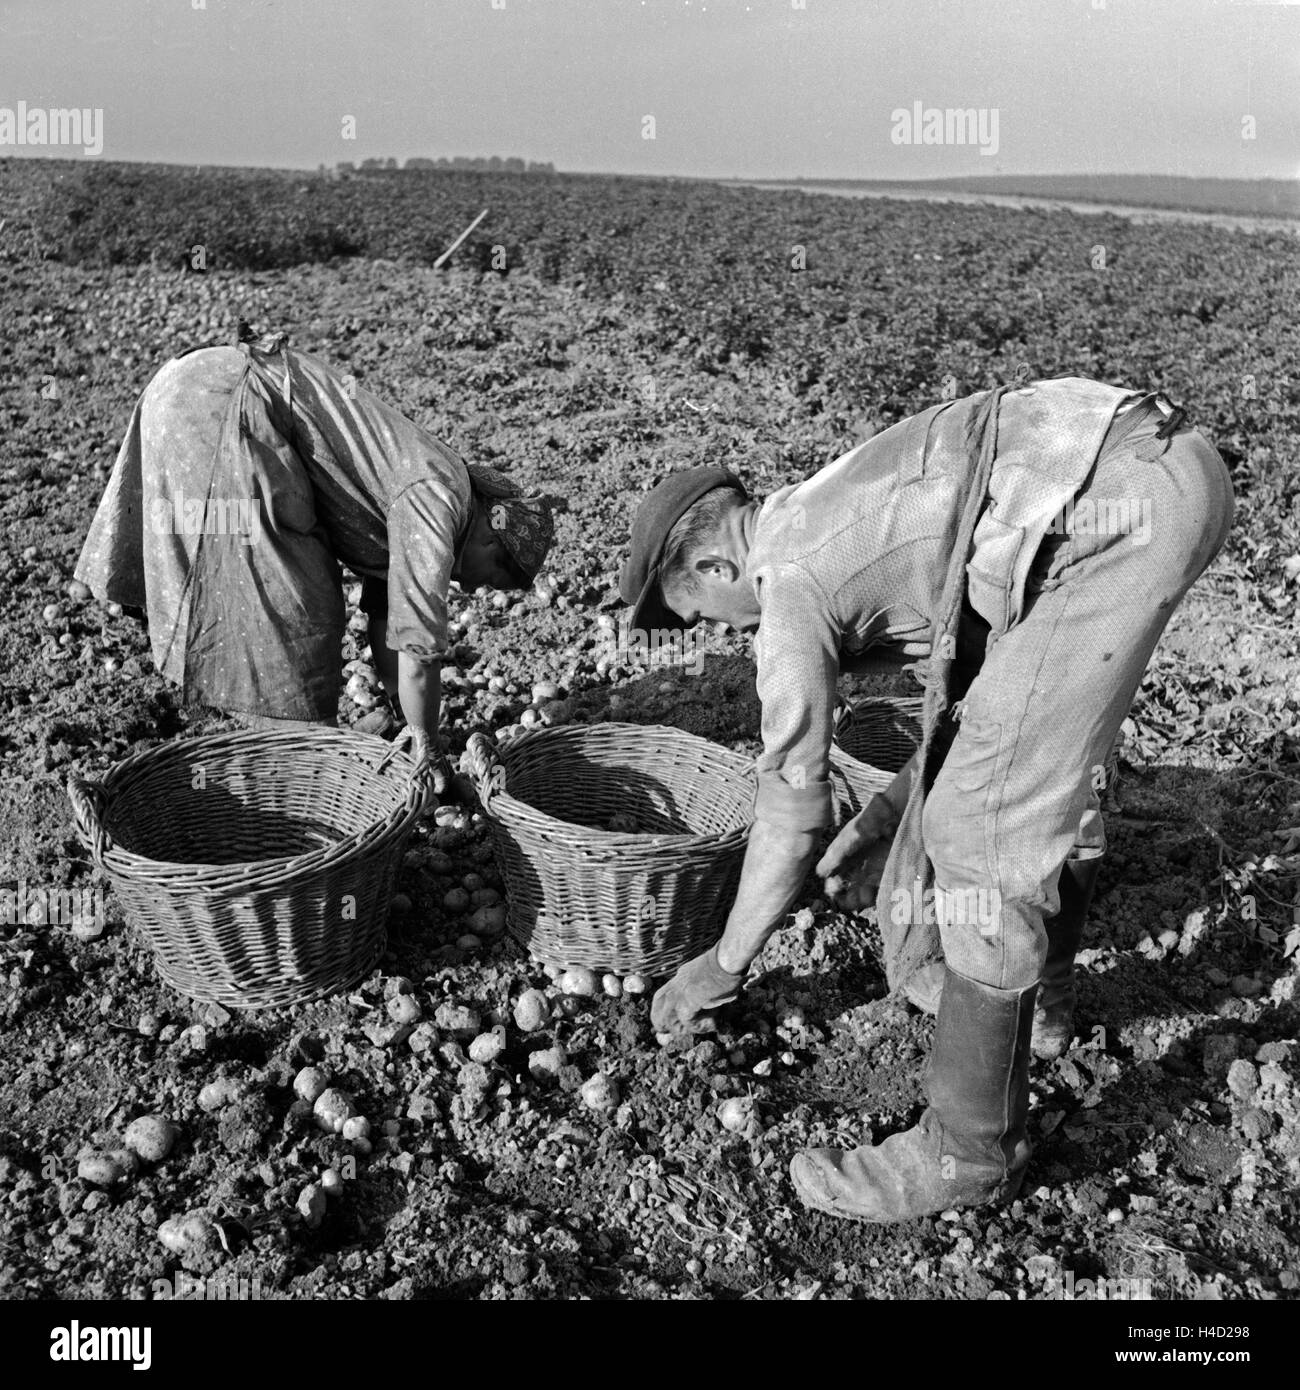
x=524, y=525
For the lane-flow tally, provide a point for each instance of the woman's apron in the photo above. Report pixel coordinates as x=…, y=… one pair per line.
x=209, y=523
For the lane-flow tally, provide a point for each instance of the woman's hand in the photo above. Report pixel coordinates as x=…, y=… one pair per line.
x=425, y=750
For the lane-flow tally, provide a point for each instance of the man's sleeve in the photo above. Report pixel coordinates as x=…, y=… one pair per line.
x=423, y=523
x=797, y=648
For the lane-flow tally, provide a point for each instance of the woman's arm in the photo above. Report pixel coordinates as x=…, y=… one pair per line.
x=383, y=656
x=419, y=689
x=374, y=599
x=414, y=687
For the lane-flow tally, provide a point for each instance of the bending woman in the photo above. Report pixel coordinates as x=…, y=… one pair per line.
x=248, y=475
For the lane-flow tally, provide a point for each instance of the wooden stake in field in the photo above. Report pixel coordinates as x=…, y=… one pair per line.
x=441, y=259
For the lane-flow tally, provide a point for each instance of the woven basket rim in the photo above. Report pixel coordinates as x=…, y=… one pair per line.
x=512, y=810
x=258, y=874
x=902, y=704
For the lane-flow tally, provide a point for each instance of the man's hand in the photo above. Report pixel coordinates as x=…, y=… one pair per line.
x=854, y=863
x=686, y=1004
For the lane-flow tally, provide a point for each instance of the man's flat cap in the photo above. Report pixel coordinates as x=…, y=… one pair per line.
x=664, y=506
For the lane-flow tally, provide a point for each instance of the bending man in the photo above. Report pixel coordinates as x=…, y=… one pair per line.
x=1027, y=547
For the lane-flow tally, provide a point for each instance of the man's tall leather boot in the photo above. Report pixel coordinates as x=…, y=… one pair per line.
x=969, y=1147
x=1054, y=1015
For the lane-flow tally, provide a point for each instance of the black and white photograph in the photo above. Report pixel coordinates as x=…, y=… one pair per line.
x=649, y=653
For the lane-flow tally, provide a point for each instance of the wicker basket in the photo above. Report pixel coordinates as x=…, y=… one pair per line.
x=259, y=866
x=874, y=738
x=641, y=898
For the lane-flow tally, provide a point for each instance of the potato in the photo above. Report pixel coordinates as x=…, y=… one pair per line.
x=736, y=1114
x=150, y=1137
x=310, y=1083
x=225, y=1090
x=188, y=1234
x=102, y=1169
x=635, y=984
x=532, y=1011
x=487, y=1047
x=488, y=921
x=356, y=1127
x=600, y=1093
x=612, y=986
x=580, y=980
x=404, y=1008
x=360, y=693
x=332, y=1109
x=547, y=1064
x=311, y=1203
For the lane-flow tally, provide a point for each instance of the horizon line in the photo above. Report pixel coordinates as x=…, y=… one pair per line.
x=10, y=153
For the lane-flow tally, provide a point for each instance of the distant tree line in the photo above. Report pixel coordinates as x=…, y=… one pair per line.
x=493, y=164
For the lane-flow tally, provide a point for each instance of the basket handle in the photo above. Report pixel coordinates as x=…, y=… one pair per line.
x=89, y=799
x=485, y=770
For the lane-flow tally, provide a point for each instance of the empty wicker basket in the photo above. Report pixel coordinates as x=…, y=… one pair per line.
x=874, y=738
x=643, y=896
x=259, y=866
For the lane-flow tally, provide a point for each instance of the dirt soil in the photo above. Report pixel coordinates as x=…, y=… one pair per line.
x=1167, y=1142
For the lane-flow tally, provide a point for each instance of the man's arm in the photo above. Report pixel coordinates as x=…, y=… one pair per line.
x=900, y=789
x=776, y=864
x=878, y=820
x=798, y=661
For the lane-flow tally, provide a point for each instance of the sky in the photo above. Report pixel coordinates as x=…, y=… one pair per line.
x=748, y=88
